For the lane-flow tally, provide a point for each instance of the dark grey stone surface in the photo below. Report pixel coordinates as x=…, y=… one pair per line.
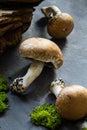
x=73, y=71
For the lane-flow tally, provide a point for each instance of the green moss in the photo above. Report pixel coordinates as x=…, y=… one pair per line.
x=46, y=115
x=4, y=87
x=3, y=96
x=84, y=128
x=3, y=101
x=3, y=84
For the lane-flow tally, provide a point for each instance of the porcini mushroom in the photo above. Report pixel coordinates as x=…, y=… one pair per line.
x=71, y=101
x=60, y=25
x=42, y=51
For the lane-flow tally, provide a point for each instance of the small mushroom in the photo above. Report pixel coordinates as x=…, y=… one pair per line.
x=60, y=25
x=71, y=101
x=42, y=51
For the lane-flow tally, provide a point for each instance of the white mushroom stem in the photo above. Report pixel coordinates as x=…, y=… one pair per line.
x=21, y=84
x=33, y=72
x=50, y=11
x=57, y=86
x=84, y=125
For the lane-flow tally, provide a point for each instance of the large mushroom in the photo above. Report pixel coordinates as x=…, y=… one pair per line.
x=71, y=101
x=60, y=25
x=42, y=51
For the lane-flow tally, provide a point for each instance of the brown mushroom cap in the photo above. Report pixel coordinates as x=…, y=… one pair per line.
x=60, y=26
x=72, y=102
x=41, y=49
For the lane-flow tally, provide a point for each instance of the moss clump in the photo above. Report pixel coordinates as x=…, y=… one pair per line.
x=3, y=84
x=4, y=87
x=46, y=115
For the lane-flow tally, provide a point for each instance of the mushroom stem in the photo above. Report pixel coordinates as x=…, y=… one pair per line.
x=84, y=125
x=50, y=11
x=33, y=72
x=57, y=86
x=21, y=84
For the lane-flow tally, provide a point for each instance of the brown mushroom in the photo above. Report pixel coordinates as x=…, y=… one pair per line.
x=71, y=102
x=42, y=51
x=60, y=25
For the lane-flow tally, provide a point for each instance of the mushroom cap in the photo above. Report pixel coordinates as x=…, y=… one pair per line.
x=71, y=103
x=60, y=26
x=41, y=49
